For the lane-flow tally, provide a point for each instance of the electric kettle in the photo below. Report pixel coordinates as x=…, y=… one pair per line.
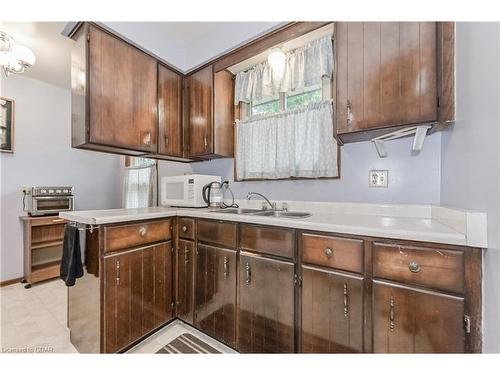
x=212, y=194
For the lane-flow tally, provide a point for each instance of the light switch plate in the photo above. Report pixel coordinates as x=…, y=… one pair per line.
x=378, y=178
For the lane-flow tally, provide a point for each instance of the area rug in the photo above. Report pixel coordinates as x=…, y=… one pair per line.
x=187, y=344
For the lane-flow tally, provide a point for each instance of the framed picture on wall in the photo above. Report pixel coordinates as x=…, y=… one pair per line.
x=6, y=125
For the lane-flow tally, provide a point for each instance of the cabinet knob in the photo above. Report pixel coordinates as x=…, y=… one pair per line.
x=414, y=267
x=142, y=231
x=184, y=228
x=328, y=252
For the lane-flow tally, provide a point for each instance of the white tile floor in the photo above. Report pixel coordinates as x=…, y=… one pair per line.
x=34, y=320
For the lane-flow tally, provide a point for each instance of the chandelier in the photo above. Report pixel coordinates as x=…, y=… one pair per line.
x=14, y=58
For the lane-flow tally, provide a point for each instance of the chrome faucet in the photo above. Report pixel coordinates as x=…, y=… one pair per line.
x=251, y=193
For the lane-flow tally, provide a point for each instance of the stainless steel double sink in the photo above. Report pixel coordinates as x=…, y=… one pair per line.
x=268, y=213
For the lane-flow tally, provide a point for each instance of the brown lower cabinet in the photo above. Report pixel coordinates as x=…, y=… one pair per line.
x=137, y=294
x=332, y=312
x=331, y=293
x=185, y=280
x=266, y=305
x=215, y=310
x=412, y=320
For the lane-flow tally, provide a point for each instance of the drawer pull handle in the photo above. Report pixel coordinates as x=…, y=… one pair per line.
x=391, y=313
x=248, y=274
x=142, y=231
x=346, y=301
x=414, y=267
x=328, y=252
x=184, y=228
x=226, y=268
x=57, y=220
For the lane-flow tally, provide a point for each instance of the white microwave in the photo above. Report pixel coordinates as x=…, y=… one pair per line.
x=185, y=191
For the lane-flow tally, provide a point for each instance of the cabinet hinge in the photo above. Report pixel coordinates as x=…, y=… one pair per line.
x=88, y=37
x=172, y=304
x=467, y=323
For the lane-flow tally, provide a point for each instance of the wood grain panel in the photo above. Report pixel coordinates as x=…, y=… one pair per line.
x=336, y=252
x=217, y=232
x=434, y=268
x=422, y=322
x=332, y=312
x=223, y=114
x=185, y=280
x=266, y=305
x=446, y=71
x=122, y=93
x=387, y=72
x=169, y=112
x=216, y=292
x=200, y=112
x=132, y=235
x=267, y=240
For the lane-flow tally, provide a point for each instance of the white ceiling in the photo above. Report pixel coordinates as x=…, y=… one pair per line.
x=189, y=44
x=183, y=44
x=52, y=50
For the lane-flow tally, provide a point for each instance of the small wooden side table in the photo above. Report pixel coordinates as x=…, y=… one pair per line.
x=43, y=244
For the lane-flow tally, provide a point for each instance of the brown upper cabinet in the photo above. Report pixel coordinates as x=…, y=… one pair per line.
x=114, y=100
x=169, y=112
x=387, y=77
x=210, y=113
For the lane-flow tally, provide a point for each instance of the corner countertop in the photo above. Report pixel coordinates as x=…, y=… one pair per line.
x=386, y=221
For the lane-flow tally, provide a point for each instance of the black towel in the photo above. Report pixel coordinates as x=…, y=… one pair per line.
x=71, y=262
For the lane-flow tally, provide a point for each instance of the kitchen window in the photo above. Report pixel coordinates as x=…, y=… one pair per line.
x=286, y=125
x=140, y=188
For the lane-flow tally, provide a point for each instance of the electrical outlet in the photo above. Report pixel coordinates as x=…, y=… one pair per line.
x=378, y=178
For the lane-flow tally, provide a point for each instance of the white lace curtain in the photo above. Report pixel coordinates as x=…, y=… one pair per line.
x=304, y=67
x=140, y=187
x=296, y=143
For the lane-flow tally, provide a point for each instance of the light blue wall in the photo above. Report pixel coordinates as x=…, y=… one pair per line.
x=412, y=178
x=471, y=152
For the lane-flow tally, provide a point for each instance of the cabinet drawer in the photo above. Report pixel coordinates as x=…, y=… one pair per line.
x=336, y=252
x=267, y=240
x=434, y=268
x=186, y=228
x=217, y=232
x=132, y=235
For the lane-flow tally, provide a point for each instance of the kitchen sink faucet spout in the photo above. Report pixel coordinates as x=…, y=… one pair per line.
x=271, y=205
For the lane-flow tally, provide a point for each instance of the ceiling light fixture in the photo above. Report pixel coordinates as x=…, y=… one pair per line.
x=14, y=58
x=276, y=60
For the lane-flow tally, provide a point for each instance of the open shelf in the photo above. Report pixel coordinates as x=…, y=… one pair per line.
x=44, y=244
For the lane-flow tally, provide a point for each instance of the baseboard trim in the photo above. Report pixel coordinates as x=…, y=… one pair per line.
x=10, y=282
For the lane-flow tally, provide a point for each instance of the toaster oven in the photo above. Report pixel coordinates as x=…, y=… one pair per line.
x=48, y=200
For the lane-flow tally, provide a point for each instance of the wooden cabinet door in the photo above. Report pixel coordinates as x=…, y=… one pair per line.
x=266, y=305
x=157, y=286
x=137, y=294
x=185, y=280
x=122, y=94
x=169, y=112
x=410, y=320
x=200, y=112
x=216, y=292
x=332, y=312
x=122, y=301
x=386, y=74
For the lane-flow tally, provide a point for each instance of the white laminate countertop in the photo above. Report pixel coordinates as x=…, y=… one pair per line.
x=386, y=221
